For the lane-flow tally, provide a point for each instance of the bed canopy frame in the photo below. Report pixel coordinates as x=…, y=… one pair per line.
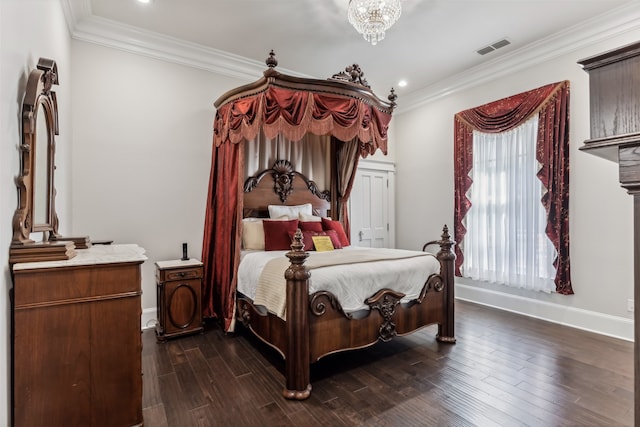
x=343, y=108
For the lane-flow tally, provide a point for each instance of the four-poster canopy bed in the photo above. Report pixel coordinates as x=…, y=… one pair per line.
x=308, y=312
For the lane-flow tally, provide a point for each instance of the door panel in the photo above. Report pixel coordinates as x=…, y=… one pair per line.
x=370, y=209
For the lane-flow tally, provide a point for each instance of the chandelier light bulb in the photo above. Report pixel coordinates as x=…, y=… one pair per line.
x=372, y=18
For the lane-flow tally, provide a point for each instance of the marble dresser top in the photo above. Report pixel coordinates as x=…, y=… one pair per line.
x=98, y=254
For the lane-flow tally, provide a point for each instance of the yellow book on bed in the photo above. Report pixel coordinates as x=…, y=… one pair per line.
x=322, y=243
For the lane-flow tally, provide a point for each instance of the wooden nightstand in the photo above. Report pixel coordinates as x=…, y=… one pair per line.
x=179, y=298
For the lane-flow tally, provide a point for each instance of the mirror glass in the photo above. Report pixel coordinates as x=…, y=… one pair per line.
x=41, y=171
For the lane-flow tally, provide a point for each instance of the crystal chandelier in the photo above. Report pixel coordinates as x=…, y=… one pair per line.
x=373, y=17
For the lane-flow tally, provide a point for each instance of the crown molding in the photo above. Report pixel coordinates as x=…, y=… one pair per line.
x=608, y=25
x=74, y=11
x=85, y=26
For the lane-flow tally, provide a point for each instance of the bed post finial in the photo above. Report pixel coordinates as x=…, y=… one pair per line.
x=297, y=370
x=272, y=63
x=271, y=60
x=445, y=241
x=447, y=260
x=392, y=99
x=296, y=246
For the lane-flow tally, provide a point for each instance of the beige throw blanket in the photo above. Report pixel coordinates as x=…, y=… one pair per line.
x=271, y=291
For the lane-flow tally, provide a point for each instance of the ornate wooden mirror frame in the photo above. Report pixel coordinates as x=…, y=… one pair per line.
x=36, y=207
x=36, y=192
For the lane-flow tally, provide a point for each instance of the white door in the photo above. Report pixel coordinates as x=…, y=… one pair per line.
x=370, y=209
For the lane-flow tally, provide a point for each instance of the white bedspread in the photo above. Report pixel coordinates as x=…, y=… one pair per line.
x=352, y=284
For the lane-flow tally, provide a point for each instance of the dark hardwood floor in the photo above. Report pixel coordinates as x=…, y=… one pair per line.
x=505, y=370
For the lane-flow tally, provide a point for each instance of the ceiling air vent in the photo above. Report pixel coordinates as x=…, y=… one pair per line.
x=495, y=46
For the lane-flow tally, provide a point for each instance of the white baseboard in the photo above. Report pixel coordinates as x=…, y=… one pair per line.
x=604, y=324
x=149, y=318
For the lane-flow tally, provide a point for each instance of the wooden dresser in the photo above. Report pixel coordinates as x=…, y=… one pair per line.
x=77, y=339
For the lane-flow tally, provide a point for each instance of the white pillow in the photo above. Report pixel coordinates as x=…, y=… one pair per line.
x=252, y=234
x=292, y=212
x=309, y=218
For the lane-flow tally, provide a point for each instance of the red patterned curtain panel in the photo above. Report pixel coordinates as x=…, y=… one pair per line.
x=222, y=232
x=276, y=111
x=551, y=103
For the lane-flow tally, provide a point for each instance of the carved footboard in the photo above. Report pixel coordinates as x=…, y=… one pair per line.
x=316, y=325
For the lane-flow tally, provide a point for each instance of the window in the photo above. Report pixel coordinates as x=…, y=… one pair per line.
x=506, y=241
x=547, y=158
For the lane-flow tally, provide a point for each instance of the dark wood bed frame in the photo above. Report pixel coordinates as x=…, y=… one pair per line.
x=316, y=324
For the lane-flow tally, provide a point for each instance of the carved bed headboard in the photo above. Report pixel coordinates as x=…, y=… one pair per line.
x=281, y=185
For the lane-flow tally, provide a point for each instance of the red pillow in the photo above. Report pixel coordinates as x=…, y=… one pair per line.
x=311, y=226
x=328, y=224
x=333, y=235
x=276, y=234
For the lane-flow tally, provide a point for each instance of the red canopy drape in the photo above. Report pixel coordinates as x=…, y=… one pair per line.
x=551, y=102
x=275, y=111
x=291, y=113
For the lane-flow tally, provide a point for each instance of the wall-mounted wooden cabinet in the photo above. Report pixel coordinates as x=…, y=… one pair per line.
x=614, y=93
x=614, y=100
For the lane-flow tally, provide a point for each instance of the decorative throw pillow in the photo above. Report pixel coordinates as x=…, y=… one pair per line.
x=276, y=234
x=292, y=212
x=328, y=224
x=310, y=226
x=305, y=217
x=252, y=234
x=333, y=234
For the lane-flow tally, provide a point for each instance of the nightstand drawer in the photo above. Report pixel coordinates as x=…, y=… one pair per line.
x=183, y=274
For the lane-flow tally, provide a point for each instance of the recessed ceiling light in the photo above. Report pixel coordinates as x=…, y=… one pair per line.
x=402, y=83
x=144, y=1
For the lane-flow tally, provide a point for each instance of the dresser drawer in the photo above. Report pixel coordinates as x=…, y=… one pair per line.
x=57, y=285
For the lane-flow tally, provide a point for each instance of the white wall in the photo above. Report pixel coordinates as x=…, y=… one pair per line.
x=143, y=133
x=601, y=213
x=29, y=29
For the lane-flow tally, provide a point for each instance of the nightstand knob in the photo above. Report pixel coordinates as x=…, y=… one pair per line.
x=182, y=274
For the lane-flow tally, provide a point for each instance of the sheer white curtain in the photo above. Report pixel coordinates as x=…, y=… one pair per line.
x=506, y=241
x=309, y=156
